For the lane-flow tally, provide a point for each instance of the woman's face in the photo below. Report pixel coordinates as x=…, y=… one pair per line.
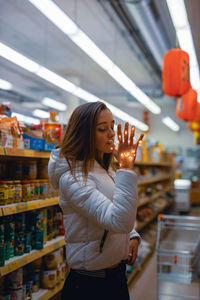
x=104, y=133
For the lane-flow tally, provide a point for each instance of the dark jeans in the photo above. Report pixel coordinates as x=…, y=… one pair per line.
x=84, y=287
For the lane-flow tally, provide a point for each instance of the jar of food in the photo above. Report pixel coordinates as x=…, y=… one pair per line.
x=18, y=191
x=3, y=192
x=11, y=192
x=26, y=191
x=49, y=279
x=30, y=170
x=36, y=189
x=43, y=188
x=32, y=187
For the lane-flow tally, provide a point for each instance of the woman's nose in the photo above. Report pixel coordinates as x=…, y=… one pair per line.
x=111, y=133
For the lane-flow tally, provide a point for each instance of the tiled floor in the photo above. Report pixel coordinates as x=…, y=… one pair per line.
x=146, y=287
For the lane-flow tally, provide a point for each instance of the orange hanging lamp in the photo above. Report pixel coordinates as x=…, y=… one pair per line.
x=175, y=72
x=186, y=106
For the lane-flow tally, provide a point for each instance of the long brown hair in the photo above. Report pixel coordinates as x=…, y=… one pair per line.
x=78, y=143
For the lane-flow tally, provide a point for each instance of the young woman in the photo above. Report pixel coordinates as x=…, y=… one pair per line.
x=99, y=205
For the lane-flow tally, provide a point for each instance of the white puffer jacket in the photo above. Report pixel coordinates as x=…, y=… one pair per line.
x=91, y=208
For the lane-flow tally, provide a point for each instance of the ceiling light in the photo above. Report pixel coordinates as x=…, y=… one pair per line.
x=56, y=15
x=55, y=79
x=54, y=104
x=47, y=7
x=170, y=123
x=18, y=58
x=25, y=119
x=5, y=85
x=126, y=117
x=89, y=47
x=85, y=95
x=68, y=86
x=183, y=31
x=41, y=114
x=178, y=13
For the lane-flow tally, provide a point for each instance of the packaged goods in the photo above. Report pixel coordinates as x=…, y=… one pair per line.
x=35, y=278
x=43, y=188
x=18, y=191
x=28, y=242
x=49, y=279
x=3, y=192
x=51, y=260
x=16, y=294
x=43, y=169
x=16, y=279
x=39, y=239
x=11, y=192
x=20, y=223
x=30, y=170
x=26, y=191
x=2, y=254
x=36, y=184
x=19, y=244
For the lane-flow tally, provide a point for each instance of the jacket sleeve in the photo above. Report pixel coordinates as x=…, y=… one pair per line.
x=135, y=234
x=117, y=215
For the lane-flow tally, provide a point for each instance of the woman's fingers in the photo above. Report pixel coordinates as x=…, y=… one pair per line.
x=119, y=133
x=140, y=138
x=132, y=135
x=126, y=133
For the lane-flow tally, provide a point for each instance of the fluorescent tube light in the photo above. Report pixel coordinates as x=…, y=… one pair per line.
x=89, y=47
x=56, y=15
x=5, y=85
x=41, y=114
x=170, y=123
x=178, y=13
x=25, y=119
x=18, y=58
x=55, y=79
x=68, y=86
x=52, y=12
x=85, y=95
x=183, y=31
x=126, y=117
x=54, y=104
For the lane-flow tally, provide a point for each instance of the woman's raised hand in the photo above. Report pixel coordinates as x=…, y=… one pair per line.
x=127, y=148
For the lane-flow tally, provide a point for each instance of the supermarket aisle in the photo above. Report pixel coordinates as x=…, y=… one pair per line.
x=145, y=288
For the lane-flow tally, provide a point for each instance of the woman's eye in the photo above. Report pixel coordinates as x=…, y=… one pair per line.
x=101, y=129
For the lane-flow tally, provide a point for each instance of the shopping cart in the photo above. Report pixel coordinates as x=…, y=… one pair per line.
x=178, y=257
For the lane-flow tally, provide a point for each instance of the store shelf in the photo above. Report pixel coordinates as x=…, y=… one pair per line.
x=153, y=180
x=153, y=163
x=147, y=200
x=143, y=225
x=43, y=294
x=17, y=152
x=15, y=208
x=18, y=262
x=2, y=151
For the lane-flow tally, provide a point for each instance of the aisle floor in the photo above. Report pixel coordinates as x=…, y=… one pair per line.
x=146, y=285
